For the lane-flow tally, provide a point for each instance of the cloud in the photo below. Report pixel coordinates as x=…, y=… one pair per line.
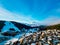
x=58, y=10
x=13, y=16
x=51, y=20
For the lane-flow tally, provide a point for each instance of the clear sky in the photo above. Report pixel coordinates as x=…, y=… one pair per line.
x=30, y=11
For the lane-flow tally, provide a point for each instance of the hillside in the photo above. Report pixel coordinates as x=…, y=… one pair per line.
x=56, y=26
x=10, y=30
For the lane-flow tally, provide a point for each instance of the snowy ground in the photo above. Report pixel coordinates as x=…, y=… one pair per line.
x=15, y=38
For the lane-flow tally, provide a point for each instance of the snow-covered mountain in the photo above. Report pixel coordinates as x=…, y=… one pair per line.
x=10, y=30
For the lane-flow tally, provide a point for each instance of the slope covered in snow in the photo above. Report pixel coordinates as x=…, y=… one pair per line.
x=10, y=31
x=8, y=26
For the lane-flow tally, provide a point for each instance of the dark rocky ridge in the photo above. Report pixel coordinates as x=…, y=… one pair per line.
x=18, y=25
x=1, y=24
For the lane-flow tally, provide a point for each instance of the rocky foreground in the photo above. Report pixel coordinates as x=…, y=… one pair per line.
x=47, y=37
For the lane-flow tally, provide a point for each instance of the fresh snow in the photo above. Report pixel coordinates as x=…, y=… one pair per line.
x=9, y=25
x=11, y=39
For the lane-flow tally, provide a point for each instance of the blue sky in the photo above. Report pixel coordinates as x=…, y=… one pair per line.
x=29, y=11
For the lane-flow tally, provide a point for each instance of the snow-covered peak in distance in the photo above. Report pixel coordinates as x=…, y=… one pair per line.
x=33, y=24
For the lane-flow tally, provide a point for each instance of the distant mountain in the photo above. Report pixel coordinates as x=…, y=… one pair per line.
x=11, y=28
x=4, y=25
x=11, y=25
